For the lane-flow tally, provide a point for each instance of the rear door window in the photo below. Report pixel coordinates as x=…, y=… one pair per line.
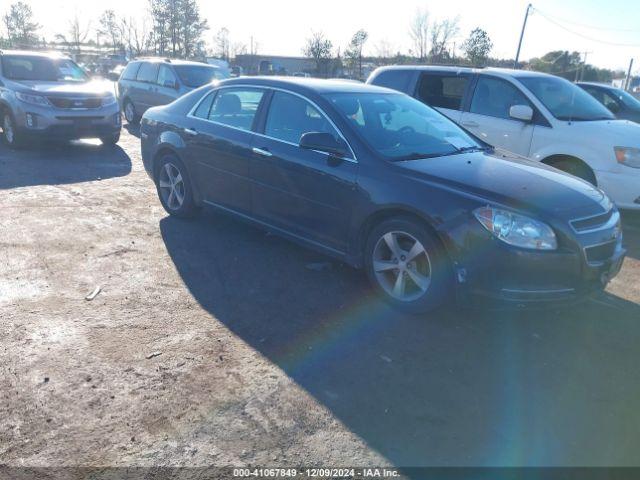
x=442, y=91
x=166, y=77
x=236, y=107
x=148, y=73
x=396, y=79
x=494, y=97
x=205, y=106
x=131, y=71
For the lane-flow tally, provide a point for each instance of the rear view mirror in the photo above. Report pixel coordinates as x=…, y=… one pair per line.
x=613, y=107
x=521, y=112
x=323, y=142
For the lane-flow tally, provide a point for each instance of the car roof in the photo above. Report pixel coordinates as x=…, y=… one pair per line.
x=171, y=61
x=307, y=85
x=505, y=72
x=596, y=84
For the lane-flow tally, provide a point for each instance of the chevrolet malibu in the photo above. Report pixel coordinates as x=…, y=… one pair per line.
x=381, y=181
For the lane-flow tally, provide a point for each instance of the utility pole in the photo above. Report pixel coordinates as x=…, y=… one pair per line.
x=580, y=77
x=627, y=82
x=524, y=25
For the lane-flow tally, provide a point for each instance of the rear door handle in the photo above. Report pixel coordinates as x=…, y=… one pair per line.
x=262, y=151
x=470, y=124
x=188, y=131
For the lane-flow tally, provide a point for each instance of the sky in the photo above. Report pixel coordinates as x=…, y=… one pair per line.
x=281, y=26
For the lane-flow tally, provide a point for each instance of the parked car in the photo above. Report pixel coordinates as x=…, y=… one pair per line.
x=622, y=104
x=151, y=82
x=48, y=96
x=540, y=116
x=382, y=181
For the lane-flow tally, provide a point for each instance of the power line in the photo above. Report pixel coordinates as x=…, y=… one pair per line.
x=584, y=25
x=586, y=36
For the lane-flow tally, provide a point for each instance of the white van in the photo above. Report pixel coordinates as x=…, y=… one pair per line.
x=533, y=114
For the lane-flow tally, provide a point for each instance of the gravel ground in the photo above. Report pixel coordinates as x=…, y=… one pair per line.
x=213, y=343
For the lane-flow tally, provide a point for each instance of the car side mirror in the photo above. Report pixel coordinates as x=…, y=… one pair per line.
x=323, y=142
x=521, y=112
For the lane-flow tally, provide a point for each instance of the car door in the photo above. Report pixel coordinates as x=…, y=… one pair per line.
x=143, y=92
x=167, y=86
x=444, y=91
x=219, y=140
x=488, y=116
x=307, y=193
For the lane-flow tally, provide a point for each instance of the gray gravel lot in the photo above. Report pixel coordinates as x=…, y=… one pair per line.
x=261, y=360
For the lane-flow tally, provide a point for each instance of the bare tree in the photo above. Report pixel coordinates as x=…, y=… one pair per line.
x=419, y=33
x=135, y=35
x=109, y=28
x=238, y=48
x=222, y=45
x=77, y=33
x=319, y=48
x=384, y=51
x=353, y=54
x=441, y=34
x=21, y=28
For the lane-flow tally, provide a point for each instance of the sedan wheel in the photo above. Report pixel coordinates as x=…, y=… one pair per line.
x=174, y=188
x=402, y=266
x=130, y=113
x=408, y=265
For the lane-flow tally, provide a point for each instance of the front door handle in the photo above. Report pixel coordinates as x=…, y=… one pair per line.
x=188, y=131
x=470, y=124
x=263, y=152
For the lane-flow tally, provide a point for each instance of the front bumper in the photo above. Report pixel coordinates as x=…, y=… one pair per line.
x=622, y=186
x=490, y=271
x=67, y=124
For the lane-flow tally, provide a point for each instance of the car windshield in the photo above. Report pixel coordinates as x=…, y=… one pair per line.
x=197, y=75
x=400, y=127
x=565, y=100
x=43, y=69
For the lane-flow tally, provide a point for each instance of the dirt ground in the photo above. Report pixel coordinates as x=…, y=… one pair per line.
x=213, y=343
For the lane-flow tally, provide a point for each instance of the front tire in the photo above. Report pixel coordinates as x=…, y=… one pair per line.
x=130, y=113
x=174, y=187
x=407, y=265
x=10, y=135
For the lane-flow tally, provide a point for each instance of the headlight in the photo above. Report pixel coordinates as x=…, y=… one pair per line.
x=109, y=99
x=33, y=99
x=628, y=156
x=517, y=230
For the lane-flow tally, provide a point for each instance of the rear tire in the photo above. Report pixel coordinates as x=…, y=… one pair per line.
x=408, y=266
x=10, y=135
x=130, y=114
x=174, y=187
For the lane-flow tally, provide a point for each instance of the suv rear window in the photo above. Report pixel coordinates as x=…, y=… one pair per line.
x=396, y=79
x=444, y=91
x=131, y=71
x=148, y=72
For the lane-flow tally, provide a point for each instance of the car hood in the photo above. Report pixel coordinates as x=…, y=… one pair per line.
x=615, y=132
x=93, y=87
x=512, y=181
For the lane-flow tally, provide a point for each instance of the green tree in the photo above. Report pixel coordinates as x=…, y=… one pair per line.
x=477, y=46
x=177, y=27
x=353, y=54
x=21, y=28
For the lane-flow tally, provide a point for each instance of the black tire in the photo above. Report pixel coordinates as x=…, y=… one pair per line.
x=14, y=140
x=576, y=168
x=187, y=208
x=111, y=140
x=129, y=111
x=440, y=286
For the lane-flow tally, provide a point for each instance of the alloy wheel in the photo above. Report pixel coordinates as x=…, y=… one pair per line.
x=129, y=112
x=172, y=188
x=402, y=266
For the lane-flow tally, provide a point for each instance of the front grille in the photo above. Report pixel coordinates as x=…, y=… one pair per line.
x=69, y=103
x=591, y=223
x=600, y=253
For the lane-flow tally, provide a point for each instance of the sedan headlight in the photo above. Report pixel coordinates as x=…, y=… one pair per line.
x=628, y=156
x=33, y=99
x=517, y=230
x=108, y=99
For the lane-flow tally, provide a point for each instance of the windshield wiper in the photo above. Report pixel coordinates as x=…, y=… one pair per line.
x=475, y=148
x=417, y=156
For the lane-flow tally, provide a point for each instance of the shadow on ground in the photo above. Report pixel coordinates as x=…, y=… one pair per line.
x=457, y=387
x=64, y=163
x=631, y=232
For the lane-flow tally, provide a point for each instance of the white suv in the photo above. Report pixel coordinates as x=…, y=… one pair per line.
x=533, y=114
